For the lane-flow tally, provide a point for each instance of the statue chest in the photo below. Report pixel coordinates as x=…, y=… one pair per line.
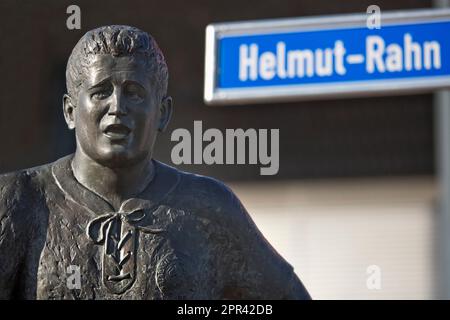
x=156, y=253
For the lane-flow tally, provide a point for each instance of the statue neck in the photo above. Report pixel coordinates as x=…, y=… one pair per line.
x=113, y=184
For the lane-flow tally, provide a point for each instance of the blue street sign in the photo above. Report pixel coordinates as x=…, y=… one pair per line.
x=327, y=57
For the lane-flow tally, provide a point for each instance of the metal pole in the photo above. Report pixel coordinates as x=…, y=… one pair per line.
x=441, y=102
x=442, y=123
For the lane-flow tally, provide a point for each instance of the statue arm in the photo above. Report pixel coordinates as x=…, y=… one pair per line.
x=11, y=233
x=256, y=269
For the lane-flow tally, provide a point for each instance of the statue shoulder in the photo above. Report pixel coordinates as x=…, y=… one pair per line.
x=19, y=192
x=17, y=219
x=210, y=196
x=13, y=186
x=15, y=214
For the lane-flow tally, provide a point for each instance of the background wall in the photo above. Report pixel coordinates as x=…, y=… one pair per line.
x=356, y=181
x=352, y=137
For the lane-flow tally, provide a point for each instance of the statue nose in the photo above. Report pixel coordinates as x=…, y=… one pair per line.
x=117, y=106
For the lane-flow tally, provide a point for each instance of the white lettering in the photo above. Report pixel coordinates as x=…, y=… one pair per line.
x=374, y=54
x=413, y=53
x=298, y=61
x=394, y=59
x=248, y=62
x=429, y=48
x=267, y=63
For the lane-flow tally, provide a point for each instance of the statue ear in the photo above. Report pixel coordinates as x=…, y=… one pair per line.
x=166, y=113
x=68, y=110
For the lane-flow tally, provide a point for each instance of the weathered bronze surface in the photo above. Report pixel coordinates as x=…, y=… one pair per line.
x=136, y=228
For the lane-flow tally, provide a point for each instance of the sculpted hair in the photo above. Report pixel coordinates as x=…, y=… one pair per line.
x=116, y=40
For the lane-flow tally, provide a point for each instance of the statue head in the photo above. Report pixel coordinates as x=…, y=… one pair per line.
x=117, y=99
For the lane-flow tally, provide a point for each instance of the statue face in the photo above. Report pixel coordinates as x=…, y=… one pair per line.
x=118, y=112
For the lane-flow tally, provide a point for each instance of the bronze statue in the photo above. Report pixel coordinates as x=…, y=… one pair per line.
x=135, y=227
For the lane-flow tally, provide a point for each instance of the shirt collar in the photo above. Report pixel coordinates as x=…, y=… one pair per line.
x=164, y=182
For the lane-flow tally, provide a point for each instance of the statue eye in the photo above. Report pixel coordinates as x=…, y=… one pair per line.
x=135, y=92
x=100, y=95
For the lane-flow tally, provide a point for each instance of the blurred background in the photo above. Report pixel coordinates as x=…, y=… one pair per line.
x=358, y=180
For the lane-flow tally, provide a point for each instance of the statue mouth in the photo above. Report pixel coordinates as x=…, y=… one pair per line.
x=117, y=131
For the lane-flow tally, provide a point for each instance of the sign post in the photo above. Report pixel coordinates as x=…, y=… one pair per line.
x=327, y=57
